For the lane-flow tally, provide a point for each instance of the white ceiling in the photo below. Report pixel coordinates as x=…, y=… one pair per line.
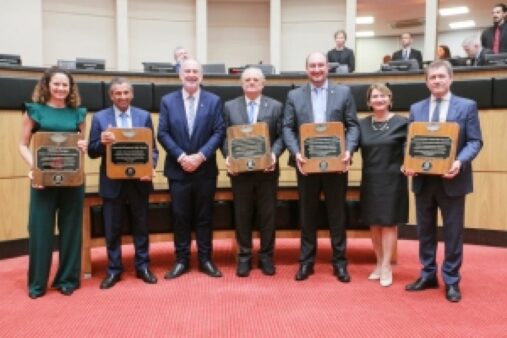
x=389, y=11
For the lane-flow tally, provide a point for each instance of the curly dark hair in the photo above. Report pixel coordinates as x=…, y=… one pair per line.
x=41, y=93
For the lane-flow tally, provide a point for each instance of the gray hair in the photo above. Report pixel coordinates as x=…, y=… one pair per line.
x=437, y=64
x=253, y=69
x=471, y=41
x=119, y=81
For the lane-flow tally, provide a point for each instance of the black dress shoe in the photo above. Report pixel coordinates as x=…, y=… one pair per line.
x=267, y=267
x=147, y=276
x=35, y=295
x=341, y=273
x=305, y=270
x=110, y=280
x=67, y=291
x=452, y=293
x=422, y=284
x=243, y=269
x=210, y=269
x=177, y=270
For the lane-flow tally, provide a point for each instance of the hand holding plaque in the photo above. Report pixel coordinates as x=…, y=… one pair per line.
x=431, y=147
x=323, y=147
x=58, y=161
x=129, y=157
x=249, y=147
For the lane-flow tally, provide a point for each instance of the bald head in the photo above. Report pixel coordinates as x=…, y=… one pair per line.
x=317, y=68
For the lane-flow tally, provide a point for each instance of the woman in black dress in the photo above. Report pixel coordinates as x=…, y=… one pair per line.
x=341, y=54
x=384, y=189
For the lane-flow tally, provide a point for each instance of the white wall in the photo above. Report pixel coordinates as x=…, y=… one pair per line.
x=238, y=32
x=21, y=31
x=79, y=28
x=308, y=26
x=156, y=27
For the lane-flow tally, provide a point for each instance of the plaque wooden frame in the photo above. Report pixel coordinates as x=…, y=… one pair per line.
x=446, y=133
x=129, y=168
x=315, y=131
x=57, y=160
x=243, y=132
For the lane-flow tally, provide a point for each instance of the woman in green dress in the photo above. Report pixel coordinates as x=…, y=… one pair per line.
x=55, y=109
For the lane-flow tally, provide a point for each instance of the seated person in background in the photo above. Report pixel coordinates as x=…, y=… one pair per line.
x=341, y=54
x=180, y=55
x=443, y=52
x=475, y=52
x=407, y=52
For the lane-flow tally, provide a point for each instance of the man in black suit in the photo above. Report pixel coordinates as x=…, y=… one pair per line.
x=407, y=52
x=495, y=37
x=255, y=190
x=317, y=102
x=341, y=54
x=191, y=129
x=475, y=52
x=117, y=193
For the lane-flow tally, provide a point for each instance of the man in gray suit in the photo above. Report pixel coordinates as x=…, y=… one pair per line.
x=255, y=190
x=317, y=102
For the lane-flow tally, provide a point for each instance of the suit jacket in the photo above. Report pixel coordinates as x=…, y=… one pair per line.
x=298, y=110
x=481, y=60
x=270, y=111
x=488, y=36
x=343, y=57
x=101, y=120
x=414, y=54
x=207, y=136
x=464, y=112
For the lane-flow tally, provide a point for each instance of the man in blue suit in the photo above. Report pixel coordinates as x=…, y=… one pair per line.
x=447, y=192
x=191, y=128
x=116, y=193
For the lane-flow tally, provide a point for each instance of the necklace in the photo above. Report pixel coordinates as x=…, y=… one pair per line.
x=380, y=125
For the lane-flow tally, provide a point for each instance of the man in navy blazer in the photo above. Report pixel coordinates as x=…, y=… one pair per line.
x=116, y=193
x=317, y=102
x=407, y=52
x=446, y=192
x=191, y=128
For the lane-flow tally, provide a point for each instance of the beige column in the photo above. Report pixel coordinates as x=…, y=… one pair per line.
x=122, y=35
x=275, y=34
x=201, y=30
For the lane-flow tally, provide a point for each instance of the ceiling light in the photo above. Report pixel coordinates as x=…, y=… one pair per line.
x=365, y=34
x=462, y=24
x=365, y=20
x=453, y=10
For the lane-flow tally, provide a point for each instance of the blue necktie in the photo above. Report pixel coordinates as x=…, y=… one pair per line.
x=436, y=112
x=191, y=114
x=319, y=109
x=124, y=120
x=405, y=54
x=251, y=111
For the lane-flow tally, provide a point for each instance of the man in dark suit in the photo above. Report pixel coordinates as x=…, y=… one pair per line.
x=117, y=193
x=255, y=190
x=407, y=52
x=341, y=54
x=446, y=192
x=317, y=102
x=475, y=52
x=191, y=129
x=495, y=37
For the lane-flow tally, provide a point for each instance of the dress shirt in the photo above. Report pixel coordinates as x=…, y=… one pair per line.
x=119, y=119
x=319, y=102
x=256, y=110
x=444, y=107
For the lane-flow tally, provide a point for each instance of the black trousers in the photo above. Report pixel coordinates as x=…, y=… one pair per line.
x=255, y=203
x=334, y=187
x=138, y=211
x=192, y=206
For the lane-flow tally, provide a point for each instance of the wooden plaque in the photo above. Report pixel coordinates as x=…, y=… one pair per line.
x=57, y=160
x=431, y=147
x=130, y=156
x=249, y=147
x=323, y=146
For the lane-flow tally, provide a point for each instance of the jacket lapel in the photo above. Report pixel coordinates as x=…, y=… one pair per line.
x=453, y=109
x=307, y=104
x=330, y=101
x=111, y=119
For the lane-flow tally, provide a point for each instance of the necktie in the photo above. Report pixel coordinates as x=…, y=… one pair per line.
x=191, y=114
x=251, y=111
x=436, y=112
x=496, y=41
x=405, y=54
x=124, y=120
x=319, y=108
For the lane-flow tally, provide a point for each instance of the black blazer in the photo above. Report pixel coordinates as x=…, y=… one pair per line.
x=488, y=35
x=414, y=54
x=343, y=57
x=481, y=60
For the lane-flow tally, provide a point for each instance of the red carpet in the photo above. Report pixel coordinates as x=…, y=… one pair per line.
x=198, y=306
